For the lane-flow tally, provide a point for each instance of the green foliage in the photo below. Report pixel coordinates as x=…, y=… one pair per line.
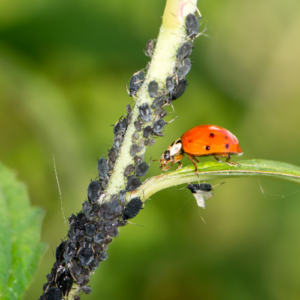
x=20, y=226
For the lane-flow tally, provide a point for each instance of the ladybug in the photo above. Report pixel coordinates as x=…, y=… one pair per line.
x=203, y=140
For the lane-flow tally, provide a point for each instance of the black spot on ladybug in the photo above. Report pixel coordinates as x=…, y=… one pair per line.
x=190, y=141
x=212, y=135
x=227, y=146
x=226, y=137
x=207, y=147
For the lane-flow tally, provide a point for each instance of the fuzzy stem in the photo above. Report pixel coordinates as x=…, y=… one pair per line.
x=171, y=36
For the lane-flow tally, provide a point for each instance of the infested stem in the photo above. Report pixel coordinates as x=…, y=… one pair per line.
x=171, y=36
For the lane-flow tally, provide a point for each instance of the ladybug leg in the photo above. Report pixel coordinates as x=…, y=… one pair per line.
x=232, y=163
x=217, y=158
x=191, y=158
x=196, y=159
x=177, y=159
x=166, y=168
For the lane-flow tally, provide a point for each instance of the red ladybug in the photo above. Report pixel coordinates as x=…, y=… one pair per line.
x=203, y=140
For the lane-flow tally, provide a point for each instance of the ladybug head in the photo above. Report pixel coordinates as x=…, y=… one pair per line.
x=170, y=153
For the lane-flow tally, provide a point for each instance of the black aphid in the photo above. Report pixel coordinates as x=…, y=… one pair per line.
x=90, y=229
x=112, y=154
x=152, y=88
x=137, y=159
x=102, y=168
x=44, y=297
x=115, y=207
x=145, y=112
x=99, y=238
x=70, y=251
x=170, y=85
x=134, y=149
x=205, y=187
x=184, y=50
x=103, y=256
x=86, y=254
x=147, y=131
x=191, y=25
x=149, y=48
x=81, y=219
x=184, y=68
x=202, y=192
x=141, y=143
x=136, y=82
x=132, y=208
x=86, y=206
x=54, y=294
x=159, y=102
x=158, y=126
x=133, y=184
x=151, y=142
x=59, y=251
x=141, y=169
x=94, y=191
x=72, y=219
x=138, y=125
x=120, y=127
x=93, y=265
x=76, y=268
x=49, y=277
x=179, y=89
x=65, y=282
x=87, y=290
x=128, y=170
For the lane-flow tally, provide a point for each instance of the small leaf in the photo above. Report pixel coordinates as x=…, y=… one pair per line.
x=20, y=226
x=215, y=170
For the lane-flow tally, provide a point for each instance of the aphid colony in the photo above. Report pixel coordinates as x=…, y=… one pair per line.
x=90, y=233
x=95, y=226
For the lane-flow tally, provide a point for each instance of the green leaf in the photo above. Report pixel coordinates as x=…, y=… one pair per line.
x=20, y=226
x=215, y=170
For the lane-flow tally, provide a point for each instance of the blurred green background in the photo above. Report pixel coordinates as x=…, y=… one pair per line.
x=63, y=68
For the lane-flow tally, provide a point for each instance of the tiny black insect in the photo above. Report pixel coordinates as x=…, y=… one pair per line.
x=120, y=127
x=152, y=88
x=202, y=192
x=170, y=85
x=159, y=125
x=102, y=168
x=54, y=294
x=94, y=191
x=87, y=290
x=141, y=169
x=179, y=89
x=184, y=50
x=132, y=208
x=147, y=131
x=128, y=170
x=184, y=68
x=136, y=82
x=133, y=184
x=138, y=125
x=191, y=25
x=90, y=229
x=86, y=254
x=145, y=112
x=159, y=102
x=65, y=282
x=134, y=149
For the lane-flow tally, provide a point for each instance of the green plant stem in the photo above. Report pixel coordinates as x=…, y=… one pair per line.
x=171, y=36
x=215, y=170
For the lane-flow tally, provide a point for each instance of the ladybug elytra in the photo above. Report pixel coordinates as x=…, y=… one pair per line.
x=203, y=140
